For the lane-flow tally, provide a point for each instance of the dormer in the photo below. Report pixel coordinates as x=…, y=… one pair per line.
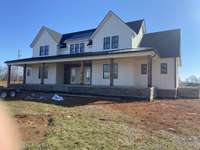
x=45, y=43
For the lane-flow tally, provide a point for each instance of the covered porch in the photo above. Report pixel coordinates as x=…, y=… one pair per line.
x=109, y=73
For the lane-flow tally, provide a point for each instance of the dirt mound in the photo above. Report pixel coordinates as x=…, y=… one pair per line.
x=33, y=127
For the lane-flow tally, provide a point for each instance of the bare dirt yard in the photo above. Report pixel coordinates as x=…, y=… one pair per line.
x=93, y=123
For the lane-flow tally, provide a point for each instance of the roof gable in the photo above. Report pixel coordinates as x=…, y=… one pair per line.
x=106, y=18
x=167, y=43
x=55, y=35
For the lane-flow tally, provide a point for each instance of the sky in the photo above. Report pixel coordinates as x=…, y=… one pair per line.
x=20, y=20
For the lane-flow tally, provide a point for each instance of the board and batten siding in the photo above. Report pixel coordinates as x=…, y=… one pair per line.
x=45, y=39
x=112, y=27
x=164, y=81
x=129, y=72
x=34, y=74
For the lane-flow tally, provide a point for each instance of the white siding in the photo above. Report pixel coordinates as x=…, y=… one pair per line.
x=163, y=81
x=34, y=78
x=112, y=27
x=97, y=73
x=137, y=39
x=129, y=73
x=45, y=39
x=60, y=73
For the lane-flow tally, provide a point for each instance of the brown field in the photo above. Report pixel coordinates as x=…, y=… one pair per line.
x=89, y=123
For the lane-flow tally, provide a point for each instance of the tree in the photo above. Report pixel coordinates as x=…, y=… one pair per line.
x=192, y=80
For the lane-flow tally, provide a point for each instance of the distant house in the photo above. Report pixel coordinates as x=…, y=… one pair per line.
x=115, y=54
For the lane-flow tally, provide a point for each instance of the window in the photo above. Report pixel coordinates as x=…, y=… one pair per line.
x=82, y=47
x=28, y=73
x=45, y=72
x=163, y=68
x=44, y=50
x=115, y=71
x=143, y=68
x=87, y=75
x=106, y=71
x=115, y=42
x=77, y=48
x=106, y=43
x=72, y=49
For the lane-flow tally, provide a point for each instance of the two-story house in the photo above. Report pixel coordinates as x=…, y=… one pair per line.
x=115, y=54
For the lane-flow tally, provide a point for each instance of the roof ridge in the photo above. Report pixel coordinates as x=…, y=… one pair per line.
x=80, y=31
x=96, y=28
x=135, y=20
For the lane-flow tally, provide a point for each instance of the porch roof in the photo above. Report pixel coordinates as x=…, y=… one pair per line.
x=122, y=53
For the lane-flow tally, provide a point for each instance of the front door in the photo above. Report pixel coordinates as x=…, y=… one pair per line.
x=75, y=75
x=72, y=74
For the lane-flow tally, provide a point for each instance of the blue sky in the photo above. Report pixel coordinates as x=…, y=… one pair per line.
x=21, y=20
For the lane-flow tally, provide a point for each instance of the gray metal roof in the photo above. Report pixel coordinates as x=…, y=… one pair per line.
x=167, y=43
x=85, y=54
x=134, y=25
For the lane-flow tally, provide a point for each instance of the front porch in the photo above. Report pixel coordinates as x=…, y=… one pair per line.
x=102, y=91
x=113, y=73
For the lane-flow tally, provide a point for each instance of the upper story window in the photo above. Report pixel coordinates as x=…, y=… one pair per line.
x=106, y=43
x=44, y=50
x=82, y=47
x=77, y=48
x=72, y=49
x=115, y=42
x=163, y=68
x=111, y=42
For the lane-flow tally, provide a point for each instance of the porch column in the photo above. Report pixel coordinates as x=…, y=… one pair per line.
x=82, y=73
x=24, y=74
x=8, y=75
x=42, y=73
x=149, y=71
x=111, y=72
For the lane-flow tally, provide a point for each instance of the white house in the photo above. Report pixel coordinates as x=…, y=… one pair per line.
x=115, y=54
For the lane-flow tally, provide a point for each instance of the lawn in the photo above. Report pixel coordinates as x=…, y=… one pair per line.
x=109, y=125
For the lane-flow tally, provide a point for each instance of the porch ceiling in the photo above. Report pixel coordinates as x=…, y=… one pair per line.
x=125, y=53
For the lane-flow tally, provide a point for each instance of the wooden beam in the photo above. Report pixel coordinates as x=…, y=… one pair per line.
x=42, y=73
x=24, y=74
x=82, y=73
x=149, y=71
x=9, y=75
x=111, y=72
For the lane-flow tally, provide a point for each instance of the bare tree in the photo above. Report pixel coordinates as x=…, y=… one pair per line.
x=192, y=80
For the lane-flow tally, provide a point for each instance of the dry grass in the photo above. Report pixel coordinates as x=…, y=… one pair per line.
x=109, y=125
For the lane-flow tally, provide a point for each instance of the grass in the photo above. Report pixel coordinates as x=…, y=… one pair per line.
x=89, y=128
